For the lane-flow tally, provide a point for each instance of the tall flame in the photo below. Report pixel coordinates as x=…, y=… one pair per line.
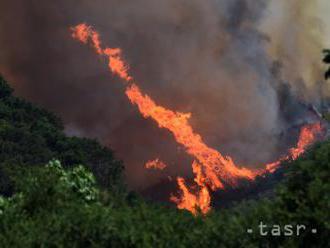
x=211, y=168
x=199, y=201
x=216, y=167
x=194, y=202
x=117, y=65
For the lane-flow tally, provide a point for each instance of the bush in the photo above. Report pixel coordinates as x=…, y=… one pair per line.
x=60, y=208
x=61, y=205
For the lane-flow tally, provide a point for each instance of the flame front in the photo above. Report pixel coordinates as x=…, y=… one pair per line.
x=216, y=167
x=194, y=202
x=211, y=168
x=201, y=200
x=308, y=135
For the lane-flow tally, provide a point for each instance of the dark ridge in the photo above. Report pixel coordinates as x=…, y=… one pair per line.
x=32, y=136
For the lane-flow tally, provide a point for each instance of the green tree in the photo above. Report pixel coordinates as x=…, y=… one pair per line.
x=31, y=136
x=62, y=205
x=326, y=60
x=5, y=90
x=57, y=207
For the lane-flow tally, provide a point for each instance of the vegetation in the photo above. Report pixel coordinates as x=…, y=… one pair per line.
x=54, y=207
x=69, y=205
x=326, y=60
x=30, y=136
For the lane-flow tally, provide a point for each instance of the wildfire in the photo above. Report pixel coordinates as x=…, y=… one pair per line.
x=308, y=135
x=84, y=33
x=155, y=164
x=117, y=65
x=217, y=168
x=201, y=200
x=211, y=168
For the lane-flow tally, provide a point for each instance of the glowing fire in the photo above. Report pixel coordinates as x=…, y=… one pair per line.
x=83, y=33
x=117, y=65
x=199, y=201
x=308, y=135
x=211, y=168
x=155, y=164
x=194, y=202
x=216, y=167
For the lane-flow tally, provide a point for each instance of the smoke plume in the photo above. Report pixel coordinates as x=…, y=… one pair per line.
x=245, y=69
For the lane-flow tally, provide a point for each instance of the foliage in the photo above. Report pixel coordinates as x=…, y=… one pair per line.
x=31, y=136
x=60, y=208
x=62, y=205
x=326, y=60
x=305, y=198
x=5, y=89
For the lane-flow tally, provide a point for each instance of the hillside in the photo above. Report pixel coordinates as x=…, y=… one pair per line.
x=63, y=204
x=31, y=136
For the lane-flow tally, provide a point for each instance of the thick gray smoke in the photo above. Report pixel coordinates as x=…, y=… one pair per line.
x=205, y=57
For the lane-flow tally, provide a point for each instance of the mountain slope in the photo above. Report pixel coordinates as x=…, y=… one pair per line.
x=31, y=136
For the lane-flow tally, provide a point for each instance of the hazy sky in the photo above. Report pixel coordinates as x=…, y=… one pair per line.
x=324, y=8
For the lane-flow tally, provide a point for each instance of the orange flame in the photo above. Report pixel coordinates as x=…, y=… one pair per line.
x=117, y=65
x=212, y=169
x=84, y=33
x=200, y=201
x=308, y=135
x=155, y=164
x=216, y=167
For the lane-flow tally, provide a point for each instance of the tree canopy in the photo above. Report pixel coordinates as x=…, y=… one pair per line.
x=326, y=60
x=60, y=191
x=57, y=207
x=32, y=136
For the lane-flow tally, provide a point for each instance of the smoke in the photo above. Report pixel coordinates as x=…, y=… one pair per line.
x=296, y=37
x=241, y=67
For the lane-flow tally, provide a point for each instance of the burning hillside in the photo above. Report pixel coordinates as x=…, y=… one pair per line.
x=164, y=123
x=213, y=90
x=213, y=170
